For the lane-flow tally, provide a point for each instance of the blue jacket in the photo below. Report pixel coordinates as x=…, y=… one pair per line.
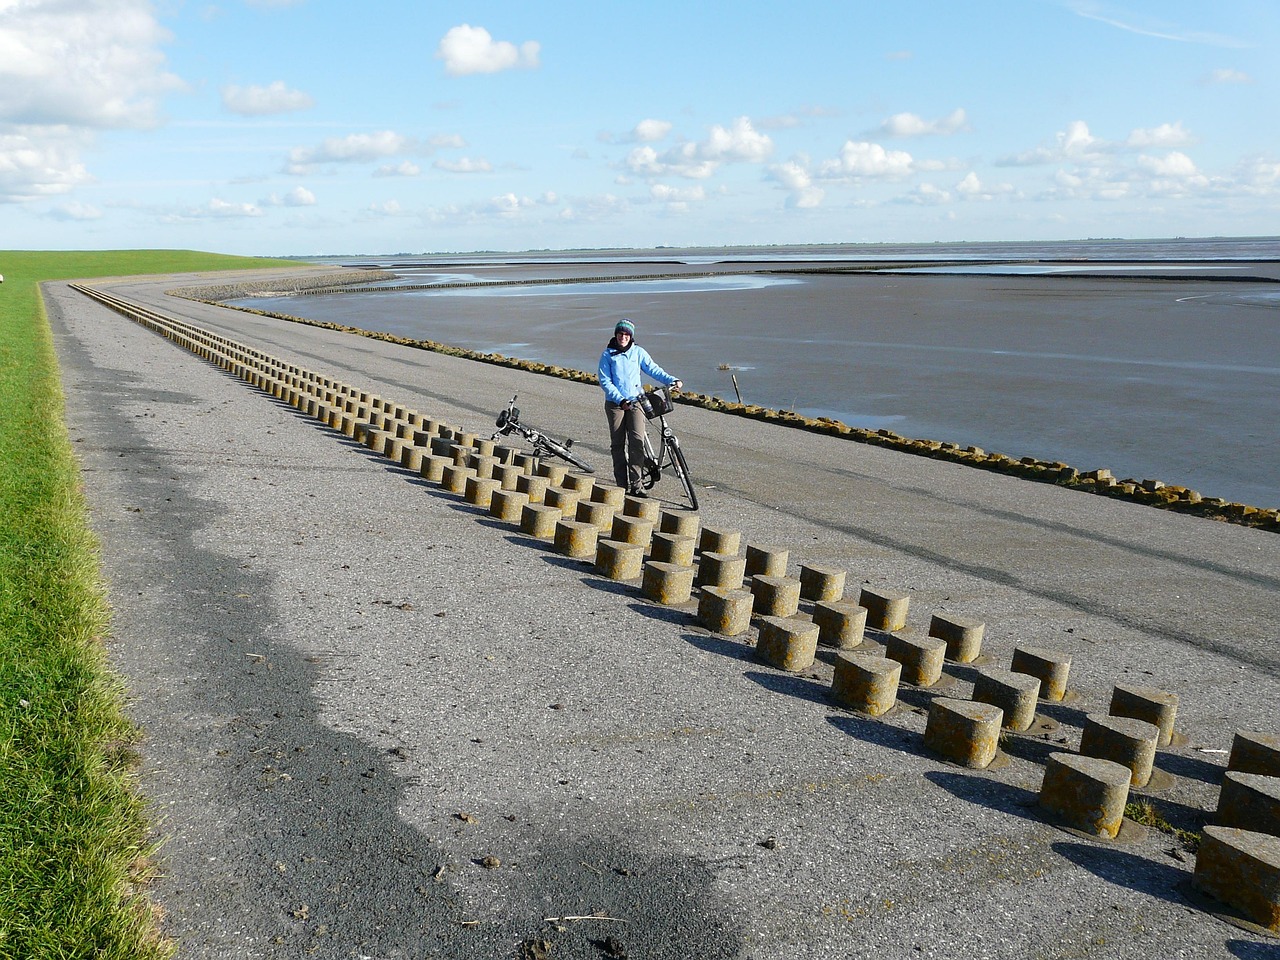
x=620, y=372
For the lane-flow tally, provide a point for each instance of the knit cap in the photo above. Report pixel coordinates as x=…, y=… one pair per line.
x=625, y=326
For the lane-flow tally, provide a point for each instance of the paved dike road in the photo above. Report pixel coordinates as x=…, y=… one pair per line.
x=380, y=724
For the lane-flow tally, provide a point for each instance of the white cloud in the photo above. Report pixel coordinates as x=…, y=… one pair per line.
x=861, y=159
x=405, y=169
x=260, y=101
x=297, y=197
x=899, y=55
x=1227, y=76
x=682, y=196
x=354, y=148
x=1148, y=27
x=464, y=165
x=93, y=63
x=926, y=195
x=1172, y=164
x=794, y=175
x=466, y=49
x=74, y=211
x=1165, y=135
x=40, y=162
x=1073, y=143
x=650, y=131
x=910, y=125
x=972, y=188
x=215, y=209
x=739, y=142
x=595, y=209
x=388, y=208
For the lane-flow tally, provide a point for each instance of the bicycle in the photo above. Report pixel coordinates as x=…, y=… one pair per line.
x=543, y=446
x=655, y=405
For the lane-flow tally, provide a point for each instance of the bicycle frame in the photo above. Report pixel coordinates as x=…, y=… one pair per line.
x=544, y=446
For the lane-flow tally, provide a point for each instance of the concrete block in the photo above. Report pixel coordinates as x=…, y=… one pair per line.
x=768, y=560
x=1086, y=793
x=1149, y=704
x=725, y=611
x=432, y=468
x=720, y=570
x=1048, y=666
x=580, y=482
x=538, y=520
x=642, y=507
x=921, y=657
x=576, y=539
x=534, y=487
x=566, y=501
x=455, y=477
x=669, y=584
x=1253, y=752
x=671, y=548
x=608, y=493
x=1123, y=740
x=508, y=476
x=1249, y=801
x=619, y=561
x=963, y=731
x=866, y=684
x=719, y=540
x=554, y=472
x=529, y=464
x=886, y=610
x=821, y=583
x=1242, y=869
x=776, y=596
x=482, y=465
x=484, y=446
x=680, y=522
x=411, y=458
x=599, y=514
x=507, y=505
x=1014, y=693
x=787, y=643
x=635, y=530
x=962, y=635
x=840, y=624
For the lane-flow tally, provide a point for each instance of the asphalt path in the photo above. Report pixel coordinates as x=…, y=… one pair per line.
x=380, y=724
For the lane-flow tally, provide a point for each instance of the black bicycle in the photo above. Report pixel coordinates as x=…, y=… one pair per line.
x=655, y=405
x=543, y=446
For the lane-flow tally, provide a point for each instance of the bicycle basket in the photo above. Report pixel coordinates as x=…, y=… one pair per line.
x=656, y=403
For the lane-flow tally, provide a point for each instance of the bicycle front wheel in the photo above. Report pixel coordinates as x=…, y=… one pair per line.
x=561, y=451
x=681, y=469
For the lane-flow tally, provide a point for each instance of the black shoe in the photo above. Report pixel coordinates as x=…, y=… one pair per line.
x=638, y=492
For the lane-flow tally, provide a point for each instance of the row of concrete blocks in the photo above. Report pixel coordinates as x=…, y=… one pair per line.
x=1239, y=858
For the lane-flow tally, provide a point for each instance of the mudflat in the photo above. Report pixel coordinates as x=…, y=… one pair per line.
x=380, y=723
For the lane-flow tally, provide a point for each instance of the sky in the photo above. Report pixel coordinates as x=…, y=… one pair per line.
x=318, y=127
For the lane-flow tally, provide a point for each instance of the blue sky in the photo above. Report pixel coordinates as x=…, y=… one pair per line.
x=310, y=127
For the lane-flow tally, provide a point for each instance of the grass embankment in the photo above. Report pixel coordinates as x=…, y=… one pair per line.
x=73, y=840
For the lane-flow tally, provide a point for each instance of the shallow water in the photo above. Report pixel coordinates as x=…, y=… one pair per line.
x=1175, y=379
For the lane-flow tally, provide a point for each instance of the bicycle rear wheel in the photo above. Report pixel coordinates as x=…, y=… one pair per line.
x=681, y=469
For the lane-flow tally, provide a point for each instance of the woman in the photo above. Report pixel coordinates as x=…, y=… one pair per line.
x=621, y=364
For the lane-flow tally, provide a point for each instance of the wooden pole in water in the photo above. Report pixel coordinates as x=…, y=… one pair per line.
x=734, y=378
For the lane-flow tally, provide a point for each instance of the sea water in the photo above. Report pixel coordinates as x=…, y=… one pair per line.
x=1156, y=359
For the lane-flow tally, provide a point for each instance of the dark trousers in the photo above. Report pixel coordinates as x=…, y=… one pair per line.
x=625, y=428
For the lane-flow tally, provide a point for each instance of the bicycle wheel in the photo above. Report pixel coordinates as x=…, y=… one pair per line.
x=561, y=451
x=682, y=471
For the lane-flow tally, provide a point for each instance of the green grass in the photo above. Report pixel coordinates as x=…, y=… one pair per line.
x=73, y=838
